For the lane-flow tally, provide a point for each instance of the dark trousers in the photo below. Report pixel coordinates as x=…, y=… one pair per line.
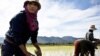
x=9, y=49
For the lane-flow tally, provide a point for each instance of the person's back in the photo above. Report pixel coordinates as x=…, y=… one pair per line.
x=90, y=35
x=82, y=47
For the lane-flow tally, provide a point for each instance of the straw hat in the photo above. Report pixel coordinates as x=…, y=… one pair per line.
x=92, y=27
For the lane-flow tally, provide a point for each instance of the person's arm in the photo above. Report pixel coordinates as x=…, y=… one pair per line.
x=38, y=49
x=35, y=43
x=24, y=50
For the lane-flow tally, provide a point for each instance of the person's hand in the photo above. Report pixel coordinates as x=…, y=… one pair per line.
x=38, y=52
x=29, y=54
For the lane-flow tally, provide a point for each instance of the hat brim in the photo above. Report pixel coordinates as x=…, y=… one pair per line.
x=94, y=28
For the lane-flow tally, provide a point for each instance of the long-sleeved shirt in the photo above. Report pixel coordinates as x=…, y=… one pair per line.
x=19, y=31
x=90, y=36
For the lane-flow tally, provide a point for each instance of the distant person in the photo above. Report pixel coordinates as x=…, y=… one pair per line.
x=90, y=34
x=22, y=27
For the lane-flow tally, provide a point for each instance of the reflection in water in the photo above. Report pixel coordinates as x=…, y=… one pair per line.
x=57, y=53
x=64, y=53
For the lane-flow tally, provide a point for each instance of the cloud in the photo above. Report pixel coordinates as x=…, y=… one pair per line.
x=8, y=10
x=95, y=2
x=60, y=21
x=57, y=17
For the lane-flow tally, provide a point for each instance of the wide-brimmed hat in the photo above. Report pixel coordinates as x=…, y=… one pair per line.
x=92, y=27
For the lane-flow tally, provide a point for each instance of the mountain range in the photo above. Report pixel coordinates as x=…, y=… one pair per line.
x=52, y=39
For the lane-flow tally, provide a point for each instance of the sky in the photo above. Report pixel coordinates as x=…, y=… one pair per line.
x=57, y=17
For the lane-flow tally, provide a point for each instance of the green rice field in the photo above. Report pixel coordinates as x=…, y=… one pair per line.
x=57, y=50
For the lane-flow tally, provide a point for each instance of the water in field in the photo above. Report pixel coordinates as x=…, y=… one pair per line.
x=97, y=53
x=62, y=51
x=57, y=50
x=57, y=53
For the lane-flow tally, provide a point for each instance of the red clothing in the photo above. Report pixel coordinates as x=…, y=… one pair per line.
x=32, y=21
